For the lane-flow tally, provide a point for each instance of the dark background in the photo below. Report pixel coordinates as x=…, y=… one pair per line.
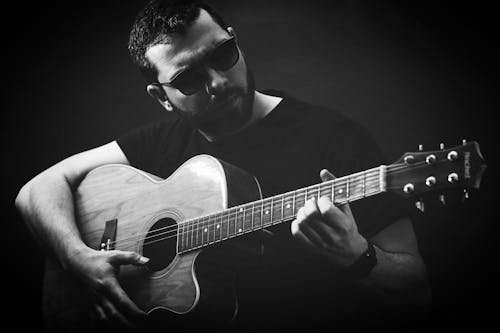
x=422, y=72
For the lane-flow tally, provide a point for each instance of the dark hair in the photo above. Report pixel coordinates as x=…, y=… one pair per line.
x=156, y=21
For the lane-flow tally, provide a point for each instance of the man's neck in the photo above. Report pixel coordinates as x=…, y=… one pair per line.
x=262, y=105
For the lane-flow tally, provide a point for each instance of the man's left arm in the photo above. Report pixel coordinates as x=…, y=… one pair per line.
x=399, y=273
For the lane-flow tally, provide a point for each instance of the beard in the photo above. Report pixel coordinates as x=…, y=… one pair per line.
x=225, y=113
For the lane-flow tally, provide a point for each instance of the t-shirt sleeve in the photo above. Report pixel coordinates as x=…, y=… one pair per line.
x=353, y=149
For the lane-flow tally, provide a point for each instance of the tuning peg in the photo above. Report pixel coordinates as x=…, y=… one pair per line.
x=420, y=206
x=465, y=195
x=409, y=159
x=464, y=142
x=441, y=146
x=442, y=199
x=420, y=147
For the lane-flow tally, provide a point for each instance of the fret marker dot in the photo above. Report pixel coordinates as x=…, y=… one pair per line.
x=241, y=209
x=267, y=212
x=341, y=190
x=288, y=206
x=239, y=230
x=218, y=226
x=205, y=230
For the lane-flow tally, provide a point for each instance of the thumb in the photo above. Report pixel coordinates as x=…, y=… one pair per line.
x=128, y=258
x=326, y=175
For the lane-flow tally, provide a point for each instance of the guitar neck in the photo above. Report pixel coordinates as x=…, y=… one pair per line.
x=243, y=219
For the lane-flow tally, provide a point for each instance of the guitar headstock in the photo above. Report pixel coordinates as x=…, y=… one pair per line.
x=417, y=173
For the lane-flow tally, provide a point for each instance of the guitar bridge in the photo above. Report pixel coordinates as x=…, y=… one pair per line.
x=109, y=236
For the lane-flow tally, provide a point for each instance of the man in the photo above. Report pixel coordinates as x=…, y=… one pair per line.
x=197, y=72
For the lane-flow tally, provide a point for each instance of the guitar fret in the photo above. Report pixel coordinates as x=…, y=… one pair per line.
x=220, y=227
x=227, y=226
x=287, y=206
x=239, y=220
x=206, y=230
x=253, y=213
x=223, y=227
x=231, y=224
x=195, y=233
x=275, y=211
x=247, y=218
x=266, y=218
x=282, y=207
x=211, y=223
x=364, y=183
x=190, y=229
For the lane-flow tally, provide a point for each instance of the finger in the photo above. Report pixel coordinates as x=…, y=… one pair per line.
x=113, y=314
x=123, y=301
x=323, y=230
x=311, y=208
x=101, y=315
x=326, y=175
x=331, y=214
x=346, y=209
x=302, y=224
x=300, y=235
x=128, y=258
x=300, y=214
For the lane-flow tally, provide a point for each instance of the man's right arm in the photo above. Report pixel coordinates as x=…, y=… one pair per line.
x=46, y=205
x=46, y=201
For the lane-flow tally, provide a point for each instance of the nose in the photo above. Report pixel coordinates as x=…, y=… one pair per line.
x=217, y=82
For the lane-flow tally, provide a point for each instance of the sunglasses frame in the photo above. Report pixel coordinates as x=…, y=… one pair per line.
x=171, y=83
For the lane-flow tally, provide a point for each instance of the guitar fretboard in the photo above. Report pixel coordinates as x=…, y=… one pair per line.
x=252, y=216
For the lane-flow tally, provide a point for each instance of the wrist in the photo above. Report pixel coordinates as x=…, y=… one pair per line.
x=363, y=264
x=74, y=255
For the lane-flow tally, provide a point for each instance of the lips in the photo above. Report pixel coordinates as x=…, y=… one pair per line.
x=223, y=104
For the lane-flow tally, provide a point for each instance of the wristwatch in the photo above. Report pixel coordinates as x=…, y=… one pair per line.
x=364, y=264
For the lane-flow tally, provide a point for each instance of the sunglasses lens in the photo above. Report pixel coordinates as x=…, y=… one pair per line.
x=189, y=82
x=225, y=56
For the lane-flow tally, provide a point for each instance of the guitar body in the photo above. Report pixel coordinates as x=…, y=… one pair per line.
x=138, y=210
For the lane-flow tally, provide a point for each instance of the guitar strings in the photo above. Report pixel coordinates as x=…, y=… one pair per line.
x=233, y=210
x=173, y=234
x=225, y=238
x=173, y=229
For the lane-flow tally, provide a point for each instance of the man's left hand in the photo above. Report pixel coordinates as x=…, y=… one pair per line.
x=329, y=230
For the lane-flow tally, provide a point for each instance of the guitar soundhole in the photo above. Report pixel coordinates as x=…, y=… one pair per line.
x=160, y=244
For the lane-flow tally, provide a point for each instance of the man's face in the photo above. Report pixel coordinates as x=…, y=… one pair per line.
x=224, y=103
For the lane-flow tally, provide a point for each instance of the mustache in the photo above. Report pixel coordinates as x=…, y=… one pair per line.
x=219, y=99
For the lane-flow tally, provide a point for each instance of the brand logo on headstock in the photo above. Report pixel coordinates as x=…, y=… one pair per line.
x=467, y=164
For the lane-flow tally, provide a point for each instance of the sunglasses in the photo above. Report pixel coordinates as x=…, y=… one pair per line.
x=193, y=79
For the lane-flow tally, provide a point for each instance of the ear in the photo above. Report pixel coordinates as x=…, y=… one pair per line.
x=231, y=32
x=159, y=94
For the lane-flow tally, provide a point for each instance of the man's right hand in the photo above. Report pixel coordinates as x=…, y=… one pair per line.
x=98, y=270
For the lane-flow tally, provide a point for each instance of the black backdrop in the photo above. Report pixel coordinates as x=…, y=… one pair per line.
x=422, y=72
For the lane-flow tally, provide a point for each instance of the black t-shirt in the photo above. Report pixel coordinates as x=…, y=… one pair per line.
x=285, y=151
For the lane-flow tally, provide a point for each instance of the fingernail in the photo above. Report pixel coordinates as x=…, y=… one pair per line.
x=143, y=260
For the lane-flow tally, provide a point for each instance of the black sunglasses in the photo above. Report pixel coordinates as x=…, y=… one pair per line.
x=193, y=79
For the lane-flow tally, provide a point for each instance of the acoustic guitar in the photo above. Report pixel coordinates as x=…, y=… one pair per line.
x=205, y=204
